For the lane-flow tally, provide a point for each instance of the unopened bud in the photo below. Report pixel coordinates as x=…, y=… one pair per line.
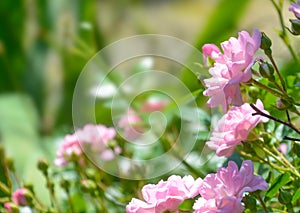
x=266, y=44
x=91, y=173
x=250, y=203
x=284, y=197
x=11, y=208
x=295, y=26
x=29, y=186
x=88, y=186
x=266, y=70
x=282, y=104
x=43, y=166
x=65, y=184
x=22, y=197
x=253, y=92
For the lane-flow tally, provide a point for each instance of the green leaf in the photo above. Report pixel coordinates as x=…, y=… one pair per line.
x=280, y=181
x=296, y=196
x=79, y=203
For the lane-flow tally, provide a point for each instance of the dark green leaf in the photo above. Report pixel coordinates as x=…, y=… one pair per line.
x=280, y=181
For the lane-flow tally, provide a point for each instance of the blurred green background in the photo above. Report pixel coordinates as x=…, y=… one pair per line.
x=44, y=45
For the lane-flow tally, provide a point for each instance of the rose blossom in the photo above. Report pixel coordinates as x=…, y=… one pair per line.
x=231, y=67
x=166, y=195
x=234, y=127
x=223, y=191
x=95, y=137
x=295, y=8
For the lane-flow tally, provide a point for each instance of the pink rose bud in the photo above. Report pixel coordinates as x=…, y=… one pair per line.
x=22, y=197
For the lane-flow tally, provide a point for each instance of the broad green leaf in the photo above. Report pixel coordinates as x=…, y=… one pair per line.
x=296, y=196
x=280, y=181
x=19, y=135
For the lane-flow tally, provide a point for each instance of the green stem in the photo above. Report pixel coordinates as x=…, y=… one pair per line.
x=50, y=187
x=284, y=36
x=262, y=202
x=262, y=86
x=184, y=162
x=295, y=171
x=282, y=84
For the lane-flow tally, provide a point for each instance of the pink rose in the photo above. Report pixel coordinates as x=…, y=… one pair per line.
x=223, y=191
x=131, y=125
x=223, y=205
x=231, y=67
x=234, y=127
x=94, y=137
x=295, y=8
x=166, y=195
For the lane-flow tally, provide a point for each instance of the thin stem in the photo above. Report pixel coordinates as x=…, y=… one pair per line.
x=289, y=138
x=184, y=162
x=277, y=72
x=295, y=171
x=259, y=112
x=70, y=201
x=274, y=92
x=50, y=187
x=262, y=202
x=282, y=83
x=284, y=36
x=274, y=166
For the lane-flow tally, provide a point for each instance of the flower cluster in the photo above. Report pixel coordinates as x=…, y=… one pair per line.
x=230, y=68
x=234, y=127
x=220, y=192
x=95, y=137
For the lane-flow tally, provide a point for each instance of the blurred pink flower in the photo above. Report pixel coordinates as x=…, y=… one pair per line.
x=295, y=8
x=95, y=137
x=234, y=127
x=19, y=197
x=166, y=195
x=130, y=123
x=283, y=147
x=9, y=207
x=69, y=150
x=231, y=67
x=152, y=105
x=223, y=191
